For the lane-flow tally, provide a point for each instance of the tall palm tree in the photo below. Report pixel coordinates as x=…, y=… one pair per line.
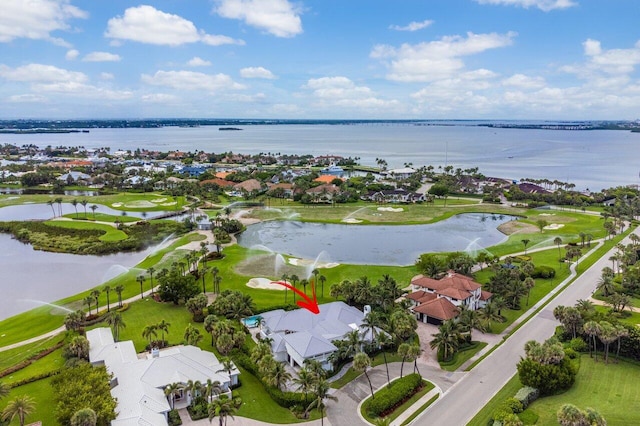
x=558, y=242
x=74, y=203
x=607, y=335
x=322, y=280
x=222, y=408
x=529, y=283
x=149, y=332
x=163, y=327
x=203, y=272
x=592, y=329
x=119, y=289
x=89, y=302
x=211, y=388
x=321, y=392
x=50, y=203
x=107, y=289
x=284, y=279
x=84, y=204
x=20, y=407
x=489, y=314
x=414, y=353
x=115, y=321
x=305, y=381
x=315, y=273
x=141, y=279
x=278, y=376
x=96, y=296
x=526, y=242
x=294, y=279
x=171, y=391
x=621, y=332
x=93, y=208
x=151, y=271
x=304, y=283
x=361, y=362
x=59, y=202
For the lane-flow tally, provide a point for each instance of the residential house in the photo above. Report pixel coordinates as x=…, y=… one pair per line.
x=394, y=196
x=323, y=193
x=139, y=381
x=77, y=178
x=249, y=185
x=436, y=301
x=299, y=335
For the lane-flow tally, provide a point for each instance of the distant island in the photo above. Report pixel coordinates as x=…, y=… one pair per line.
x=72, y=126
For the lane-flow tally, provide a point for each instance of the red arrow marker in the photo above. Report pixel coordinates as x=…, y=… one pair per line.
x=309, y=304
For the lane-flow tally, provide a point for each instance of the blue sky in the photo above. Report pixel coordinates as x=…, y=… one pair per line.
x=387, y=59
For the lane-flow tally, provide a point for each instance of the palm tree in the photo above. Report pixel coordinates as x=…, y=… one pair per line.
x=558, y=241
x=284, y=279
x=315, y=273
x=592, y=329
x=141, y=279
x=607, y=335
x=74, y=203
x=414, y=353
x=20, y=407
x=151, y=271
x=163, y=327
x=149, y=332
x=73, y=321
x=212, y=388
x=621, y=332
x=50, y=203
x=447, y=340
x=203, y=272
x=468, y=319
x=96, y=296
x=89, y=302
x=525, y=242
x=192, y=335
x=305, y=381
x=172, y=390
x=59, y=202
x=304, y=284
x=488, y=314
x=278, y=376
x=114, y=320
x=119, y=289
x=294, y=279
x=361, y=362
x=107, y=289
x=222, y=408
x=529, y=283
x=322, y=280
x=84, y=204
x=93, y=208
x=321, y=392
x=79, y=347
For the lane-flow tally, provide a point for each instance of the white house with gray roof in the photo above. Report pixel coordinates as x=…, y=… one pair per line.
x=300, y=335
x=139, y=380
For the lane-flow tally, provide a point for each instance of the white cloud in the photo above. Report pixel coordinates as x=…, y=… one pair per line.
x=28, y=98
x=544, y=5
x=524, y=82
x=277, y=17
x=106, y=76
x=189, y=80
x=71, y=55
x=341, y=91
x=41, y=73
x=412, y=26
x=81, y=90
x=196, y=61
x=158, y=98
x=146, y=24
x=101, y=57
x=36, y=19
x=436, y=60
x=256, y=72
x=613, y=61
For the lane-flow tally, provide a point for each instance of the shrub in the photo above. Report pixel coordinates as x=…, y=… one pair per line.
x=526, y=395
x=548, y=378
x=544, y=272
x=389, y=397
x=570, y=353
x=578, y=344
x=174, y=418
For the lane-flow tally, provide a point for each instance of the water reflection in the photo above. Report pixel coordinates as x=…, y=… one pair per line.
x=376, y=245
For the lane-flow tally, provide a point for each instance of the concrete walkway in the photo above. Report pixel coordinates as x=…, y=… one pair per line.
x=238, y=421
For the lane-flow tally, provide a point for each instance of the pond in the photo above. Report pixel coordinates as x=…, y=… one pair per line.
x=31, y=278
x=40, y=211
x=379, y=244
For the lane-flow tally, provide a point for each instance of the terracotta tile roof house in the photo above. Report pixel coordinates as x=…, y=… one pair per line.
x=326, y=178
x=248, y=185
x=435, y=301
x=217, y=181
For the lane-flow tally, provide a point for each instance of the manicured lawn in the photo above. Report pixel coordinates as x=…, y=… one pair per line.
x=149, y=201
x=40, y=392
x=627, y=317
x=420, y=410
x=462, y=356
x=14, y=356
x=610, y=389
x=378, y=359
x=507, y=391
x=102, y=217
x=49, y=363
x=110, y=233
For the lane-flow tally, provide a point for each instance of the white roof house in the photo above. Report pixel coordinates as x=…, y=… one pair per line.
x=138, y=381
x=300, y=335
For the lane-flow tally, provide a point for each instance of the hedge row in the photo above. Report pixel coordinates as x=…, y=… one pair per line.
x=389, y=397
x=33, y=358
x=34, y=378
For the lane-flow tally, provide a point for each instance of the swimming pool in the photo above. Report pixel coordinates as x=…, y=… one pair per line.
x=251, y=322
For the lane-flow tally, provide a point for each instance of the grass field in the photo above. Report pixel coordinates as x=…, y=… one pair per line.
x=148, y=201
x=40, y=392
x=110, y=233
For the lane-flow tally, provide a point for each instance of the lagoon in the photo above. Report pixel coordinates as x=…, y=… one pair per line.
x=395, y=245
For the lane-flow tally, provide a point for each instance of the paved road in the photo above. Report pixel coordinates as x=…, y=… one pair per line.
x=470, y=394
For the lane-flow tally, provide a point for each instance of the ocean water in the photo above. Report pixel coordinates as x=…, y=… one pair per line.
x=594, y=159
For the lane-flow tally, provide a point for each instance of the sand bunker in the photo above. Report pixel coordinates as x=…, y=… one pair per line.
x=140, y=204
x=116, y=205
x=173, y=203
x=264, y=284
x=547, y=214
x=351, y=220
x=554, y=226
x=12, y=198
x=306, y=262
x=159, y=200
x=390, y=209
